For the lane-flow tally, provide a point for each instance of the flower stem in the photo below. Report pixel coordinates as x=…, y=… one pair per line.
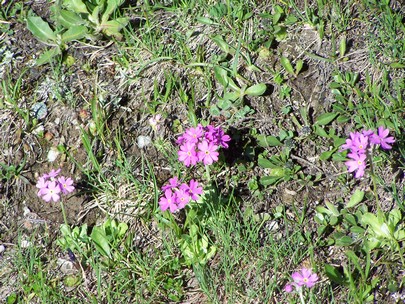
x=301, y=295
x=63, y=212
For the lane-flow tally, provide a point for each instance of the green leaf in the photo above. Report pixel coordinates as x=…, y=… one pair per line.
x=74, y=33
x=342, y=46
x=325, y=118
x=344, y=241
x=76, y=5
x=205, y=20
x=113, y=27
x=68, y=19
x=326, y=155
x=101, y=242
x=269, y=180
x=298, y=66
x=356, y=198
x=41, y=29
x=397, y=65
x=332, y=208
x=334, y=275
x=285, y=62
x=256, y=90
x=112, y=5
x=221, y=43
x=265, y=163
x=268, y=141
x=47, y=56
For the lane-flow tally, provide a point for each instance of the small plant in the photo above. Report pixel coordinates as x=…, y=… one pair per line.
x=51, y=186
x=360, y=143
x=79, y=20
x=303, y=278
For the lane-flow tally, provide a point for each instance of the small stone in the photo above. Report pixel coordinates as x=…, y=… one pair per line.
x=52, y=154
x=143, y=141
x=2, y=248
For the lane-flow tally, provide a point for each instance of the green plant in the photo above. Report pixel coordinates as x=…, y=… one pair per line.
x=79, y=20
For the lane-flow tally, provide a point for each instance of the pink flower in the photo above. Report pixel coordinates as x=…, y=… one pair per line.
x=66, y=184
x=182, y=198
x=192, y=189
x=53, y=173
x=207, y=152
x=51, y=192
x=42, y=184
x=173, y=183
x=288, y=288
x=168, y=201
x=192, y=135
x=357, y=162
x=155, y=121
x=382, y=139
x=305, y=277
x=187, y=154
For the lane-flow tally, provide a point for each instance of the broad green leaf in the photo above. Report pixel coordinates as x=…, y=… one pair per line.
x=332, y=208
x=40, y=29
x=268, y=141
x=221, y=75
x=47, y=56
x=112, y=5
x=76, y=5
x=221, y=43
x=397, y=65
x=356, y=198
x=334, y=275
x=326, y=155
x=344, y=241
x=231, y=96
x=256, y=90
x=74, y=33
x=205, y=20
x=269, y=180
x=101, y=242
x=285, y=62
x=342, y=46
x=325, y=118
x=265, y=163
x=298, y=66
x=68, y=19
x=321, y=131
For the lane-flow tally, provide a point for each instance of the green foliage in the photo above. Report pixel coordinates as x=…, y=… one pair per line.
x=76, y=20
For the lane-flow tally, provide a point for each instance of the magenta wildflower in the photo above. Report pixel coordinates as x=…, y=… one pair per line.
x=168, y=201
x=42, y=184
x=382, y=139
x=192, y=135
x=182, y=198
x=66, y=184
x=187, y=154
x=54, y=173
x=192, y=189
x=51, y=192
x=357, y=163
x=173, y=183
x=305, y=277
x=288, y=288
x=207, y=152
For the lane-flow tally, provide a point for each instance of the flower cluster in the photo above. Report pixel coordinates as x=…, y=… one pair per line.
x=178, y=195
x=200, y=144
x=359, y=143
x=51, y=186
x=304, y=277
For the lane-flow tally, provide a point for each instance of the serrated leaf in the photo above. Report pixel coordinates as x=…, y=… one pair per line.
x=68, y=19
x=356, y=198
x=40, y=29
x=74, y=33
x=325, y=118
x=285, y=62
x=256, y=90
